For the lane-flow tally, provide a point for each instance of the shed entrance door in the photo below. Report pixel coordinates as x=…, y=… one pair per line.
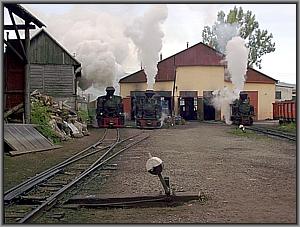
x=208, y=108
x=253, y=96
x=188, y=108
x=188, y=105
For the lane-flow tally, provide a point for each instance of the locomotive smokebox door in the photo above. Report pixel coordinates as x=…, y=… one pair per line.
x=149, y=93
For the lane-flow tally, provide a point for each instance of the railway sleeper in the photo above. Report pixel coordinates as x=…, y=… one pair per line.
x=112, y=201
x=32, y=200
x=57, y=215
x=54, y=183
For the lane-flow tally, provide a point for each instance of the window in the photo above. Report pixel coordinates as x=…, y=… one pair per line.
x=278, y=95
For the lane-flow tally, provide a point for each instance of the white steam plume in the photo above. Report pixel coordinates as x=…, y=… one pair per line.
x=225, y=32
x=97, y=38
x=237, y=59
x=147, y=35
x=99, y=63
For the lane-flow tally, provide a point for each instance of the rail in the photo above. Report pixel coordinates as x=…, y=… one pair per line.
x=273, y=132
x=110, y=151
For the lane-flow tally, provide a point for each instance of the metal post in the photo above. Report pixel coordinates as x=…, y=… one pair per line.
x=76, y=99
x=162, y=180
x=27, y=75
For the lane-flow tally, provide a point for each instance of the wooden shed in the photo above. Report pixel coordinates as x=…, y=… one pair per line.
x=53, y=70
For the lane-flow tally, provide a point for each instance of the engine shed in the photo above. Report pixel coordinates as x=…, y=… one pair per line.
x=189, y=78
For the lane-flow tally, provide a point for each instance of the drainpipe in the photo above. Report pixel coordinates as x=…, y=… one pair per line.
x=173, y=93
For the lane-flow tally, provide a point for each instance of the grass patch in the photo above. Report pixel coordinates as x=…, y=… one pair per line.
x=91, y=114
x=288, y=127
x=248, y=133
x=40, y=115
x=84, y=116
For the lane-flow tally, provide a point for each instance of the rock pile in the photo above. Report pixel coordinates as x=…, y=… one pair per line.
x=65, y=122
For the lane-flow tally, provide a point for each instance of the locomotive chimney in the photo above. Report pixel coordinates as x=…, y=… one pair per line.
x=110, y=91
x=149, y=93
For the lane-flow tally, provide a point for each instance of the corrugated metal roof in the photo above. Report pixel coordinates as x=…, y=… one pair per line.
x=197, y=55
x=137, y=77
x=283, y=84
x=24, y=138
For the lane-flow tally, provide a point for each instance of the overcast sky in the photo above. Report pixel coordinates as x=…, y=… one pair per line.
x=184, y=23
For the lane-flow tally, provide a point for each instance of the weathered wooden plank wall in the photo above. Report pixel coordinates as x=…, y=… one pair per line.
x=45, y=50
x=54, y=80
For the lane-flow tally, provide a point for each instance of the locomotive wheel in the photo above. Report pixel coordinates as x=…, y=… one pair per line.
x=251, y=121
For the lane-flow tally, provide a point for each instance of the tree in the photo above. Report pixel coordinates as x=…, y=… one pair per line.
x=258, y=41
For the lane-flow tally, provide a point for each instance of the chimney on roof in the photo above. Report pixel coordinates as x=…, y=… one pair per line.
x=187, y=45
x=160, y=56
x=141, y=65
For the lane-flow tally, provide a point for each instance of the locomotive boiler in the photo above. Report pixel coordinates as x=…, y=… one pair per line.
x=148, y=111
x=242, y=112
x=109, y=110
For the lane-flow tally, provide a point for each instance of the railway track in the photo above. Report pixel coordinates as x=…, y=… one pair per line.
x=28, y=200
x=273, y=132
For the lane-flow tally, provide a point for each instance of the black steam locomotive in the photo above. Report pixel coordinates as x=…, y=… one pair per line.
x=109, y=111
x=242, y=112
x=148, y=111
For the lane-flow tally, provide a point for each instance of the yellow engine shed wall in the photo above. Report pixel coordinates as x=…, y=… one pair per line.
x=126, y=88
x=163, y=86
x=266, y=96
x=198, y=78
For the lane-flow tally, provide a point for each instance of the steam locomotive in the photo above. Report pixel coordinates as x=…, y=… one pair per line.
x=148, y=111
x=109, y=110
x=242, y=112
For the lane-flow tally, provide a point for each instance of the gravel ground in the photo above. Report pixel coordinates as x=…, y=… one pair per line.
x=247, y=178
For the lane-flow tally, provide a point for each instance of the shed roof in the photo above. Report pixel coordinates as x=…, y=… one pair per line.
x=255, y=76
x=137, y=77
x=24, y=14
x=283, y=84
x=36, y=57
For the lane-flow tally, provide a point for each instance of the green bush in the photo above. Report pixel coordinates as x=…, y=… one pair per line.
x=83, y=115
x=40, y=115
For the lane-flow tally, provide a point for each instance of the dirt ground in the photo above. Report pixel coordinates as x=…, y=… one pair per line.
x=247, y=178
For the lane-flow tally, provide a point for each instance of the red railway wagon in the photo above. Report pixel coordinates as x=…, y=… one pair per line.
x=284, y=111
